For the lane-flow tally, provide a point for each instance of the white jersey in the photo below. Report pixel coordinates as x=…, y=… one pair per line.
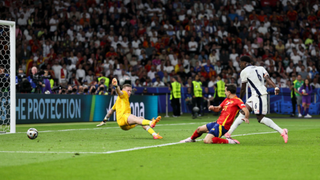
x=254, y=75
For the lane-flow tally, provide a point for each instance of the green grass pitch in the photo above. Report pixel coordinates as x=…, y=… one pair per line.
x=84, y=151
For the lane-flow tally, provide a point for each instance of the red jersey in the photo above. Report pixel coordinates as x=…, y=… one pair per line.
x=109, y=54
x=312, y=18
x=292, y=15
x=261, y=17
x=230, y=108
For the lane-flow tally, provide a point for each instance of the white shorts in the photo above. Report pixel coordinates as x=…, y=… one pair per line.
x=258, y=104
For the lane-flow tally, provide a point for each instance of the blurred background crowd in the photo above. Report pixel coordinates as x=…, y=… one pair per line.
x=78, y=46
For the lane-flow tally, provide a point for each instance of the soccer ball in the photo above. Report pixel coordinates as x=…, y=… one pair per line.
x=303, y=90
x=32, y=133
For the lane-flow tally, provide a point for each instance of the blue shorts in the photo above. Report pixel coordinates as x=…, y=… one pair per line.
x=216, y=129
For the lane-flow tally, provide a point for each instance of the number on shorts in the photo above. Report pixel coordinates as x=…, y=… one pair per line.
x=259, y=77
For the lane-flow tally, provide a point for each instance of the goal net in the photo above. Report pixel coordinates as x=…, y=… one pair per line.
x=7, y=77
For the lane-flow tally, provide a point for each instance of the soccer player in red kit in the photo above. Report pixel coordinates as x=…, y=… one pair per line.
x=229, y=109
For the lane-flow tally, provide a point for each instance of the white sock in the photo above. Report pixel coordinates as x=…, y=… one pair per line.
x=236, y=123
x=152, y=133
x=268, y=122
x=231, y=141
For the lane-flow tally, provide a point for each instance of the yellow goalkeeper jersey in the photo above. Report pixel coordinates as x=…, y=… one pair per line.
x=122, y=105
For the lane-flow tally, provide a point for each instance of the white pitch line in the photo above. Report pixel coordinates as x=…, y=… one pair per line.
x=121, y=150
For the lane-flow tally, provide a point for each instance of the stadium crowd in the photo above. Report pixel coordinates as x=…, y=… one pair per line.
x=78, y=46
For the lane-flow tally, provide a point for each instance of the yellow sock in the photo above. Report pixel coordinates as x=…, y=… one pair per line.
x=151, y=131
x=145, y=122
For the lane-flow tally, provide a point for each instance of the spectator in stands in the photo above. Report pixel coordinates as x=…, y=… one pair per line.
x=158, y=83
x=212, y=82
x=202, y=29
x=193, y=46
x=303, y=72
x=147, y=82
x=313, y=72
x=315, y=83
x=208, y=66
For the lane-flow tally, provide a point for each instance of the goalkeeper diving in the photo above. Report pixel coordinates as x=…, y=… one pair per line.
x=125, y=119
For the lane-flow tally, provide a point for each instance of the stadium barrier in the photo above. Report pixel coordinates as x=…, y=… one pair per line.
x=43, y=108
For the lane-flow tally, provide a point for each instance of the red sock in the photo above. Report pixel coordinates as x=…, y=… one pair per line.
x=195, y=135
x=216, y=140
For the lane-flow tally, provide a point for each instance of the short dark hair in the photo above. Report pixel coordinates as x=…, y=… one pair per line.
x=246, y=59
x=232, y=88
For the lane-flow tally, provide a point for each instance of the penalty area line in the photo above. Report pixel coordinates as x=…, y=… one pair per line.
x=121, y=150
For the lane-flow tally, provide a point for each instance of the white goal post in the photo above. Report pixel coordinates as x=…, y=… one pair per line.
x=8, y=44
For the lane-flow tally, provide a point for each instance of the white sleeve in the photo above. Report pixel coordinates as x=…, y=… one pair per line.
x=51, y=21
x=243, y=76
x=265, y=72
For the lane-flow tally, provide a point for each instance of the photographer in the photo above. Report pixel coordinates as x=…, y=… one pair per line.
x=62, y=91
x=22, y=83
x=35, y=80
x=80, y=91
x=57, y=89
x=101, y=90
x=72, y=90
x=101, y=87
x=75, y=90
x=104, y=80
x=92, y=90
x=85, y=89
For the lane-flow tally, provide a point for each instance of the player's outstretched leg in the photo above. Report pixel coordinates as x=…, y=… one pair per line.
x=232, y=141
x=211, y=139
x=155, y=121
x=215, y=140
x=235, y=124
x=141, y=121
x=152, y=132
x=197, y=133
x=284, y=134
x=132, y=119
x=268, y=122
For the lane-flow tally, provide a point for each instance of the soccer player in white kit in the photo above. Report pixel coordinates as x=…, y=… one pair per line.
x=255, y=76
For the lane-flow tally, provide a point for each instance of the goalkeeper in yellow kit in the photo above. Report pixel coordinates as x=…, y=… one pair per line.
x=125, y=119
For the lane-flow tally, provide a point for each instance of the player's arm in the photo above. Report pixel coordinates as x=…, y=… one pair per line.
x=215, y=108
x=192, y=91
x=296, y=89
x=115, y=84
x=243, y=90
x=244, y=80
x=110, y=112
x=269, y=81
x=246, y=114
